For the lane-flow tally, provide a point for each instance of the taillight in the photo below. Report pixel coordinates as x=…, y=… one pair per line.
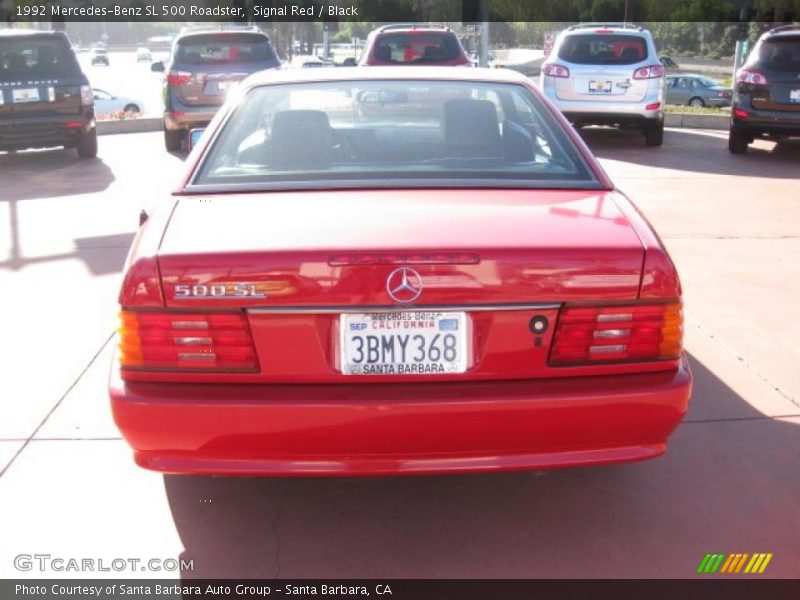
x=177, y=341
x=87, y=97
x=554, y=70
x=751, y=77
x=740, y=114
x=178, y=77
x=649, y=72
x=620, y=333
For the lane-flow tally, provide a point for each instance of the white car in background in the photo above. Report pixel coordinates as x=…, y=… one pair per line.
x=143, y=54
x=106, y=104
x=607, y=74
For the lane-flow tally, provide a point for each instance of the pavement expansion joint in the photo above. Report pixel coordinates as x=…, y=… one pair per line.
x=712, y=336
x=57, y=404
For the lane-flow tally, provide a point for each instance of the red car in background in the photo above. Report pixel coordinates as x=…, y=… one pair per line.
x=414, y=45
x=334, y=291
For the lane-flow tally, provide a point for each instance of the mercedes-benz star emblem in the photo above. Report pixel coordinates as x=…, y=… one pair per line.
x=404, y=285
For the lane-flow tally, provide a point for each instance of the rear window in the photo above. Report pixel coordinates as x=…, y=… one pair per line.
x=417, y=48
x=36, y=57
x=780, y=54
x=603, y=49
x=220, y=49
x=384, y=133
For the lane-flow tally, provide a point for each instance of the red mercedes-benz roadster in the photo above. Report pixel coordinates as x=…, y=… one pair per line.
x=386, y=271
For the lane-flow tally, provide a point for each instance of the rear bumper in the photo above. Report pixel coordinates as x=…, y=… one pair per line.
x=377, y=429
x=43, y=132
x=187, y=120
x=181, y=116
x=772, y=122
x=608, y=112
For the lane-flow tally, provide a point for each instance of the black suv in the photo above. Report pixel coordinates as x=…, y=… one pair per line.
x=45, y=99
x=766, y=100
x=204, y=65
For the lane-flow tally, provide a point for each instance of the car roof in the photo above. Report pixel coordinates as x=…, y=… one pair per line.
x=415, y=30
x=607, y=30
x=783, y=31
x=387, y=73
x=222, y=32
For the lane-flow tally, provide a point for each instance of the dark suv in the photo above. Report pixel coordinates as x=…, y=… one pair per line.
x=414, y=45
x=766, y=100
x=45, y=99
x=204, y=65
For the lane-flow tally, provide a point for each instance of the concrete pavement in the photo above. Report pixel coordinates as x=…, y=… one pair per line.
x=728, y=483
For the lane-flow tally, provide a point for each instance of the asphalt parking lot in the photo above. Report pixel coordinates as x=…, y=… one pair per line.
x=730, y=481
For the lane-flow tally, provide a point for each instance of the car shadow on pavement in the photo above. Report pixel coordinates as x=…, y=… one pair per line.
x=104, y=254
x=52, y=173
x=694, y=150
x=723, y=486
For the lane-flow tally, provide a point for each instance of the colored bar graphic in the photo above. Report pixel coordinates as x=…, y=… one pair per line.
x=702, y=566
x=741, y=562
x=726, y=568
x=764, y=564
x=754, y=563
x=734, y=563
x=717, y=563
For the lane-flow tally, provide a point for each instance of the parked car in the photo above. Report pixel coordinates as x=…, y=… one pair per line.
x=99, y=56
x=420, y=291
x=766, y=100
x=697, y=91
x=45, y=99
x=143, y=55
x=605, y=74
x=205, y=64
x=107, y=104
x=407, y=44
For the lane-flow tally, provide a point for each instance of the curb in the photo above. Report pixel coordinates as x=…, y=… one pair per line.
x=693, y=121
x=129, y=126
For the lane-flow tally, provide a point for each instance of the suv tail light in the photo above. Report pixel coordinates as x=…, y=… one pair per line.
x=649, y=72
x=178, y=77
x=554, y=70
x=750, y=76
x=620, y=333
x=181, y=341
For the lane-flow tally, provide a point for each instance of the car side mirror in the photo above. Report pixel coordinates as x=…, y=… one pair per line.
x=195, y=135
x=157, y=67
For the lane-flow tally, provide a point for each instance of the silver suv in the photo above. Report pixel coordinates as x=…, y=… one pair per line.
x=607, y=74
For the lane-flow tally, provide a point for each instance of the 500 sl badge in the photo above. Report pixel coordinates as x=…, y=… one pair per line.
x=219, y=291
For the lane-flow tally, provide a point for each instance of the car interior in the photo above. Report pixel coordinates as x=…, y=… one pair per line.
x=469, y=129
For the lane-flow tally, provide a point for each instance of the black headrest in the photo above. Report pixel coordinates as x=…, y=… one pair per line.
x=301, y=137
x=471, y=125
x=631, y=54
x=383, y=53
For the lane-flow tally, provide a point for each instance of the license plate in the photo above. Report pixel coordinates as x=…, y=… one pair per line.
x=218, y=88
x=600, y=87
x=794, y=96
x=25, y=95
x=403, y=343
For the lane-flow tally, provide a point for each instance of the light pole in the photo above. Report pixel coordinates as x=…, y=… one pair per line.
x=483, y=9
